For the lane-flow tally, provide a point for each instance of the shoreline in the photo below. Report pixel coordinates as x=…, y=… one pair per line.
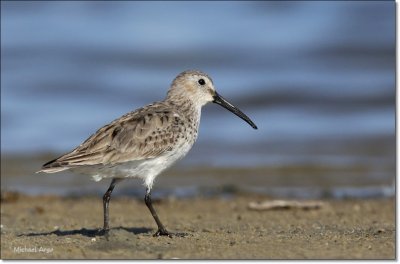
x=291, y=181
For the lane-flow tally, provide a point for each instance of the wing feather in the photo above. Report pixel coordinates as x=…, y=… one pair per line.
x=142, y=134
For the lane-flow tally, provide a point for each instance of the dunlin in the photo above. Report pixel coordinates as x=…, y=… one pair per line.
x=143, y=143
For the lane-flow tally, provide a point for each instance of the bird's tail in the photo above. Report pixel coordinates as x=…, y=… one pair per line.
x=52, y=170
x=53, y=166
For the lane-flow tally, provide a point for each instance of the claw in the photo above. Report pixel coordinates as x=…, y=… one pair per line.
x=162, y=232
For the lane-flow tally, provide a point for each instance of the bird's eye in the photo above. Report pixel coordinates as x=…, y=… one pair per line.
x=202, y=82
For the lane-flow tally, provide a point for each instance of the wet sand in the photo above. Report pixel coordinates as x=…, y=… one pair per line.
x=52, y=227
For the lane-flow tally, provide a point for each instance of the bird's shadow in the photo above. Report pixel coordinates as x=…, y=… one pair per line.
x=89, y=232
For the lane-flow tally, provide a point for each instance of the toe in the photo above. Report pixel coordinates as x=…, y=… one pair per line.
x=162, y=232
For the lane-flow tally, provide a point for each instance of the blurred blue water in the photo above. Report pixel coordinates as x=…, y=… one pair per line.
x=310, y=74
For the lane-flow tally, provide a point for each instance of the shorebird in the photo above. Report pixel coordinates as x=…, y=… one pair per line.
x=145, y=142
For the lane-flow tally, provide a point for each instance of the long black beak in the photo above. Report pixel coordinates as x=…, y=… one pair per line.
x=218, y=99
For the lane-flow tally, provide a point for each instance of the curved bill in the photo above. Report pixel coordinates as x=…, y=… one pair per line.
x=218, y=99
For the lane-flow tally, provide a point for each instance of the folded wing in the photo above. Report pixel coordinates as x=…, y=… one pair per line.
x=142, y=134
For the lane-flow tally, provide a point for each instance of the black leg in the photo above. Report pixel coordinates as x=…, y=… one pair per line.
x=106, y=201
x=161, y=229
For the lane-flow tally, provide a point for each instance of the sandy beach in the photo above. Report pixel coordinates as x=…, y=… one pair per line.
x=52, y=227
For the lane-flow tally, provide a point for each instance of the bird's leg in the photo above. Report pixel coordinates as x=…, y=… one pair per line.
x=106, y=201
x=161, y=229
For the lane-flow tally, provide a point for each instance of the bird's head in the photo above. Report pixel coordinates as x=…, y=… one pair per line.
x=198, y=87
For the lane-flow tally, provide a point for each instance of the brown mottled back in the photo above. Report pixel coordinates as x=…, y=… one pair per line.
x=142, y=134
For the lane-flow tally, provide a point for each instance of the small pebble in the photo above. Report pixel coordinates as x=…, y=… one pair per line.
x=93, y=239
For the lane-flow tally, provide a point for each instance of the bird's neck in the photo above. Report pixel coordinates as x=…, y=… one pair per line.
x=186, y=107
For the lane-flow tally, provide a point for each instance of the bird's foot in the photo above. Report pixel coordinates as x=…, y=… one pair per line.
x=103, y=232
x=162, y=232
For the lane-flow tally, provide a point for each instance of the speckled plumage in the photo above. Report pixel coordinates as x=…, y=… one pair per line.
x=155, y=135
x=143, y=143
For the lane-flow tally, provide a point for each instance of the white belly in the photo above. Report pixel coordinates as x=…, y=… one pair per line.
x=146, y=169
